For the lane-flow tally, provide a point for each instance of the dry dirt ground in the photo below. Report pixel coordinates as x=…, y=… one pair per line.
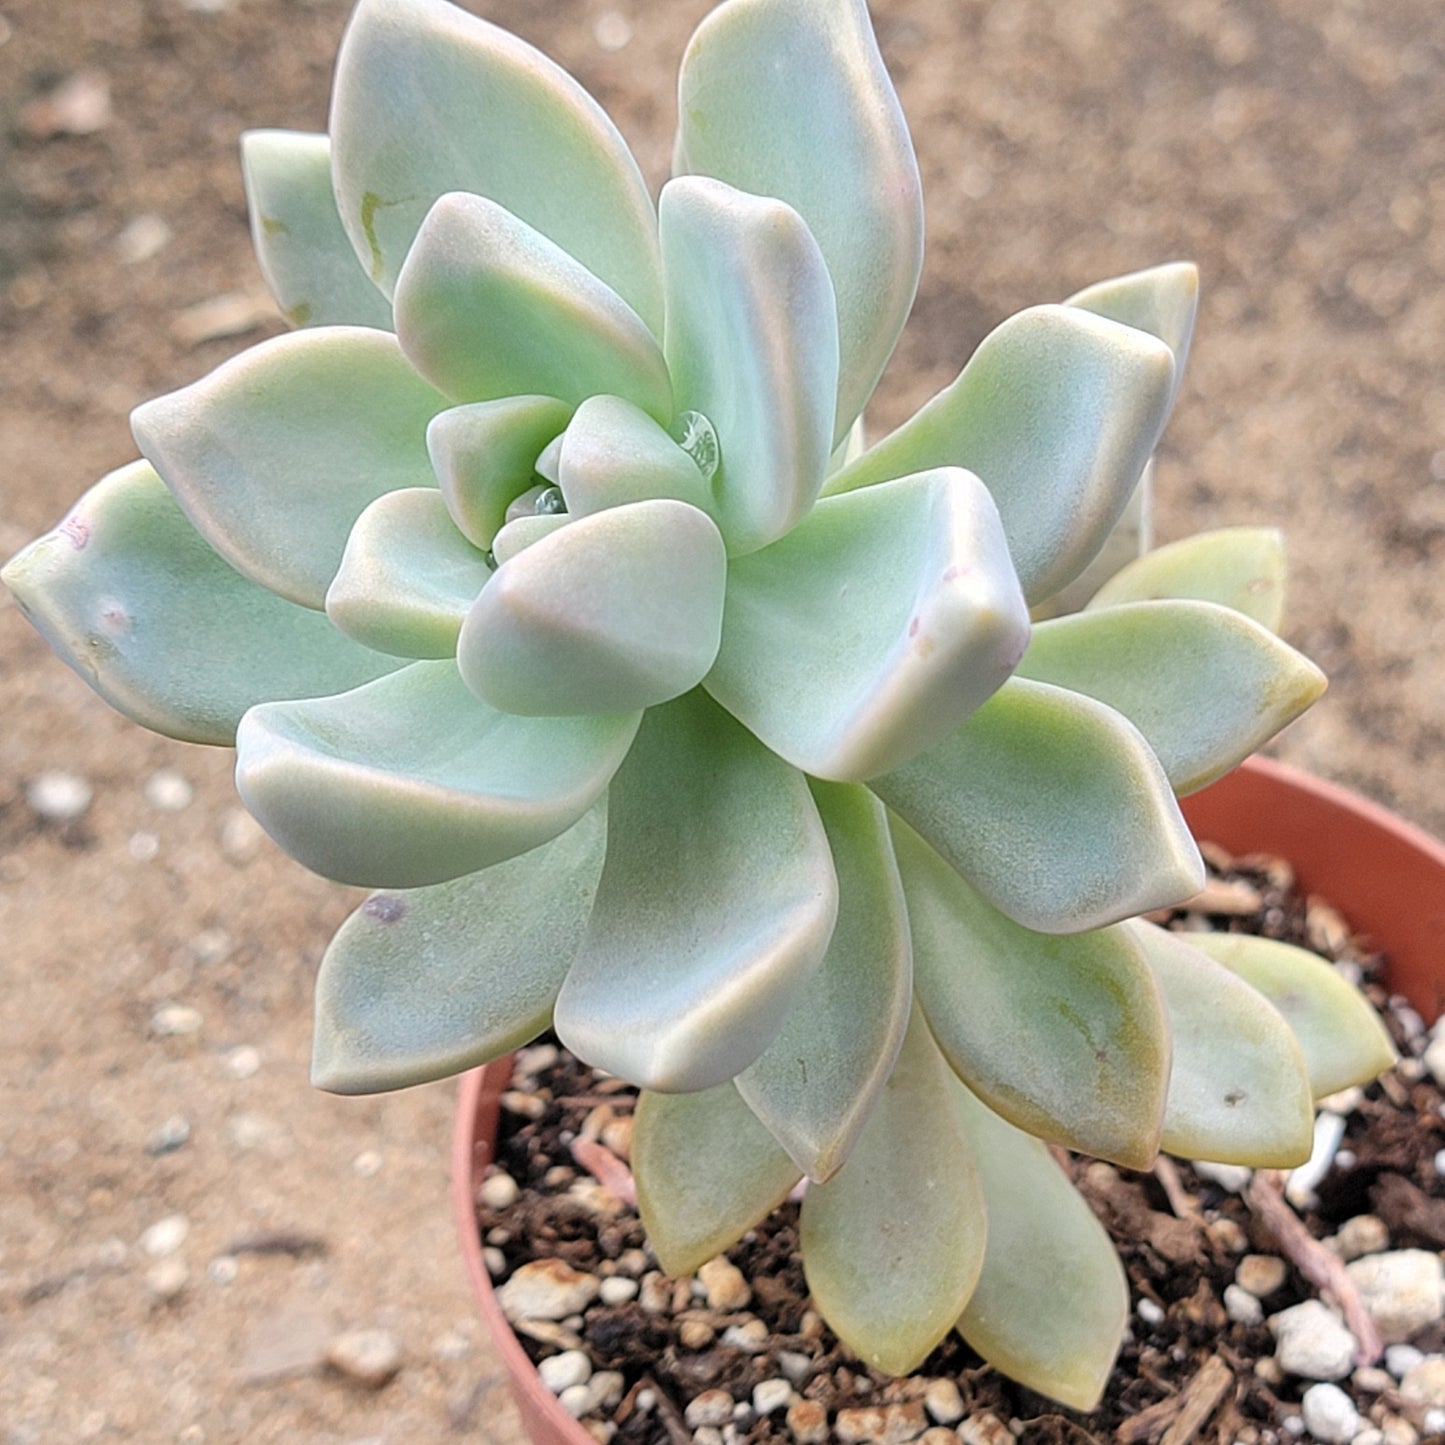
x=1294, y=148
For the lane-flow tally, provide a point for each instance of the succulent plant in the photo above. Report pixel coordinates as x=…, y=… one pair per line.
x=543, y=580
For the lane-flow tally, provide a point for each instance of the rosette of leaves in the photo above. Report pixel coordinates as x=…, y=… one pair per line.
x=542, y=580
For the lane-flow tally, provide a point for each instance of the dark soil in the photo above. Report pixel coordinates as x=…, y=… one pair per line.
x=1179, y=1256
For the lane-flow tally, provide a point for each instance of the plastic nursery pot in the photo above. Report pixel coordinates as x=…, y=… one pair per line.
x=1387, y=877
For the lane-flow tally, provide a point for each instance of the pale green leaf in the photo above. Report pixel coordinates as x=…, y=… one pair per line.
x=790, y=98
x=716, y=906
x=1053, y=808
x=275, y=454
x=1343, y=1040
x=486, y=307
x=1132, y=536
x=485, y=456
x=1058, y=411
x=301, y=247
x=426, y=982
x=1051, y=1305
x=1240, y=1089
x=818, y=1080
x=1205, y=684
x=1066, y=1037
x=521, y=532
x=618, y=610
x=893, y=1245
x=614, y=453
x=131, y=596
x=707, y=1172
x=1239, y=567
x=429, y=99
x=871, y=630
x=1162, y=300
x=751, y=343
x=407, y=576
x=411, y=780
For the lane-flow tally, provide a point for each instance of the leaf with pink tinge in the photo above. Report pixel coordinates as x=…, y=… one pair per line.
x=411, y=780
x=790, y=98
x=751, y=343
x=893, y=1244
x=817, y=1082
x=1057, y=411
x=429, y=99
x=1065, y=1036
x=706, y=1171
x=407, y=577
x=618, y=610
x=875, y=627
x=297, y=235
x=1052, y=806
x=275, y=454
x=132, y=597
x=716, y=906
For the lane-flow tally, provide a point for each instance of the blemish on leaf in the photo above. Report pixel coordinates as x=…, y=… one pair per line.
x=114, y=619
x=952, y=573
x=371, y=203
x=76, y=531
x=1235, y=1097
x=272, y=227
x=913, y=628
x=299, y=314
x=385, y=908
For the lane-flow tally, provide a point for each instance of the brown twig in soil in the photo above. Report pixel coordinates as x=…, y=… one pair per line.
x=672, y=1422
x=607, y=1169
x=1201, y=1398
x=1323, y=1269
x=1180, y=1199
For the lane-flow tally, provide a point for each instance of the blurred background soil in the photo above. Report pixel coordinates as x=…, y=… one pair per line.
x=154, y=1017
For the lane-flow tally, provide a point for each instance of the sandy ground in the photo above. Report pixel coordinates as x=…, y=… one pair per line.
x=1294, y=148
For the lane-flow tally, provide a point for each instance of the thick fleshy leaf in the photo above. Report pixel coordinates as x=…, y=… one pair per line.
x=1240, y=1089
x=716, y=906
x=411, y=780
x=1053, y=808
x=486, y=307
x=522, y=532
x=407, y=576
x=275, y=454
x=303, y=252
x=1058, y=411
x=752, y=344
x=1205, y=684
x=1239, y=567
x=429, y=99
x=614, y=453
x=1343, y=1040
x=426, y=982
x=707, y=1172
x=129, y=595
x=1162, y=300
x=1066, y=1037
x=870, y=631
x=1131, y=537
x=769, y=88
x=1052, y=1301
x=818, y=1080
x=615, y=611
x=485, y=456
x=894, y=1243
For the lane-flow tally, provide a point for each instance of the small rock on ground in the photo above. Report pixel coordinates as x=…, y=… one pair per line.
x=58, y=797
x=1424, y=1384
x=1261, y=1274
x=370, y=1357
x=1402, y=1291
x=1312, y=1342
x=547, y=1289
x=726, y=1289
x=1329, y=1414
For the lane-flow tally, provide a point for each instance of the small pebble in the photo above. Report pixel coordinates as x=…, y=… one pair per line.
x=241, y=837
x=535, y=1060
x=168, y=791
x=495, y=1260
x=984, y=1429
x=695, y=1334
x=498, y=1191
x=797, y=1366
x=770, y=1396
x=1398, y=1431
x=608, y=1387
x=1401, y=1359
x=1261, y=1274
x=618, y=1290
x=1371, y=1380
x=1369, y=1437
x=1434, y=1056
x=166, y=1278
x=1329, y=1414
x=1232, y=1177
x=751, y=1337
x=656, y=1295
x=1439, y=1161
x=1363, y=1234
x=176, y=1020
x=529, y=1106
x=1433, y=1423
x=211, y=945
x=143, y=846
x=143, y=237
x=632, y=1262
x=370, y=1357
x=1149, y=1312
x=367, y=1164
x=727, y=1291
x=165, y=1236
x=612, y=31
x=943, y=1402
x=561, y=1372
x=709, y=1435
x=223, y=1269
x=1228, y=1235
x=57, y=797
x=1404, y=1291
x=1329, y=1133
x=1312, y=1343
x=1424, y=1384
x=243, y=1061
x=172, y=1135
x=1241, y=1306
x=547, y=1289
x=712, y=1407
x=880, y=1424
x=938, y=1436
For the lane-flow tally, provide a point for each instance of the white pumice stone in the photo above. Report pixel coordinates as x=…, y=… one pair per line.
x=1149, y=1312
x=1312, y=1343
x=1362, y=1235
x=58, y=797
x=1404, y=1291
x=771, y=1395
x=561, y=1372
x=1401, y=1359
x=1241, y=1306
x=1299, y=1188
x=712, y=1407
x=499, y=1191
x=618, y=1290
x=1329, y=1414
x=943, y=1402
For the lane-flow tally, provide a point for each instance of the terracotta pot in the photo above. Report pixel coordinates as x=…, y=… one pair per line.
x=1386, y=876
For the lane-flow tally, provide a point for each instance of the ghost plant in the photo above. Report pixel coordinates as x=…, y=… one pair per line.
x=542, y=579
